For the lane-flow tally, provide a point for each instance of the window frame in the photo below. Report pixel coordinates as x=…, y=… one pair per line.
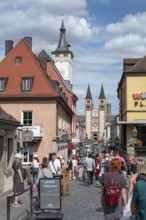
x=31, y=84
x=18, y=58
x=27, y=111
x=4, y=79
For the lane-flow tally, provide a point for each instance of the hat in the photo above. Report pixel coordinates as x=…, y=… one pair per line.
x=35, y=155
x=18, y=155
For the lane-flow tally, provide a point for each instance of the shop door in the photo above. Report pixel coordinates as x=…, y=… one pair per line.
x=1, y=164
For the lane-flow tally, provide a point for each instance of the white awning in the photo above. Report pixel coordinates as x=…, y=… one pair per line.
x=135, y=122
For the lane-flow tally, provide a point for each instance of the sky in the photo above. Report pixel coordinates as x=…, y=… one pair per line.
x=101, y=33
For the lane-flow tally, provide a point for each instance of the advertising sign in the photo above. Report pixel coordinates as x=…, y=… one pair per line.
x=50, y=193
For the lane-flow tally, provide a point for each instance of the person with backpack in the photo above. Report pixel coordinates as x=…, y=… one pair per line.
x=113, y=193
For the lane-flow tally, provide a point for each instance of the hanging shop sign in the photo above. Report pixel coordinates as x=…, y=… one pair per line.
x=27, y=136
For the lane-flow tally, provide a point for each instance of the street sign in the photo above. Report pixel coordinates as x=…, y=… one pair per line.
x=50, y=193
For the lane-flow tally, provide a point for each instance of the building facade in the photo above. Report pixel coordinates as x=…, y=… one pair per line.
x=132, y=98
x=36, y=100
x=95, y=117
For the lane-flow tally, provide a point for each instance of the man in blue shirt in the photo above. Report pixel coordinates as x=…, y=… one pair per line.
x=138, y=203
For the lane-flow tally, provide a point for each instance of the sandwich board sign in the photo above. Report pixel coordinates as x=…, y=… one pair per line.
x=50, y=193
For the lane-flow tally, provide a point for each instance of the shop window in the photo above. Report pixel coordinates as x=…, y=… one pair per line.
x=27, y=153
x=27, y=118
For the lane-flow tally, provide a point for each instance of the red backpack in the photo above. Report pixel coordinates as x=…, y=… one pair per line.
x=112, y=190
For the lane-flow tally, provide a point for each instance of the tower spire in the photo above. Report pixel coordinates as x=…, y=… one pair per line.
x=88, y=95
x=102, y=95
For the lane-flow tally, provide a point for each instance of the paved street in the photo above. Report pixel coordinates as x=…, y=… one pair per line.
x=83, y=202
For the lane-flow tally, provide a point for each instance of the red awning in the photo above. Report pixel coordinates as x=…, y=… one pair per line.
x=71, y=146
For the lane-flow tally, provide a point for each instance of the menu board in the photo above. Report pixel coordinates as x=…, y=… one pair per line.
x=50, y=193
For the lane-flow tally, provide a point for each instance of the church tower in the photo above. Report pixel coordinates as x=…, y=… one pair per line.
x=63, y=57
x=102, y=113
x=88, y=113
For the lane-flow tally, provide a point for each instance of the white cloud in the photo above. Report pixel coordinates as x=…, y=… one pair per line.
x=128, y=44
x=129, y=24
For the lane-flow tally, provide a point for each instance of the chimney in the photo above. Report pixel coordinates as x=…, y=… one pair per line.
x=8, y=46
x=28, y=41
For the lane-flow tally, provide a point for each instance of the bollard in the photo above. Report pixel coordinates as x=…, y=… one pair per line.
x=8, y=207
x=31, y=195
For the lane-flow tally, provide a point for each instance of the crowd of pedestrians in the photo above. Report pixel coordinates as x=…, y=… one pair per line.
x=123, y=194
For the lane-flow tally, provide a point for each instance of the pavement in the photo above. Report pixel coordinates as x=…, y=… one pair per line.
x=83, y=203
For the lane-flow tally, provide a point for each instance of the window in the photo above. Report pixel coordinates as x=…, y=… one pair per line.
x=27, y=153
x=18, y=60
x=27, y=118
x=3, y=82
x=10, y=151
x=26, y=84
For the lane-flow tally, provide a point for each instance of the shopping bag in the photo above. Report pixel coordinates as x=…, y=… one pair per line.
x=127, y=211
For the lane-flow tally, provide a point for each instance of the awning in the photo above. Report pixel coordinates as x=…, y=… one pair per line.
x=71, y=146
x=143, y=122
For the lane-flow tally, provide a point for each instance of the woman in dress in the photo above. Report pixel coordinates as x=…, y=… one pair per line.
x=114, y=212
x=75, y=166
x=17, y=174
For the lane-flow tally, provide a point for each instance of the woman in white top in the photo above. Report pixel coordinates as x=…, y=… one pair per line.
x=74, y=166
x=35, y=166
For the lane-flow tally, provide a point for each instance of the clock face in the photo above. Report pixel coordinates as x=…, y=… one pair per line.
x=95, y=124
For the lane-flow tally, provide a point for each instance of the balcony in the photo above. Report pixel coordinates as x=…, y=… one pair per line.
x=30, y=133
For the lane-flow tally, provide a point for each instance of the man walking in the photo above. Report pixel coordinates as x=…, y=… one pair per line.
x=90, y=167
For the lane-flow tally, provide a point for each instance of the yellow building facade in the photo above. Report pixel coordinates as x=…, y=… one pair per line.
x=132, y=100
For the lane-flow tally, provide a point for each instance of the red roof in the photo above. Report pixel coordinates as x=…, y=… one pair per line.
x=29, y=67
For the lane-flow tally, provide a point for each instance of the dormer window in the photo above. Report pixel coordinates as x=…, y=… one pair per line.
x=26, y=84
x=3, y=83
x=18, y=60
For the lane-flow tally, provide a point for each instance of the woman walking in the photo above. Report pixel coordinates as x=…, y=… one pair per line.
x=113, y=177
x=17, y=174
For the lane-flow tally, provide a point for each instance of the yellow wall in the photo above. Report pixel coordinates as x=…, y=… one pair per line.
x=136, y=85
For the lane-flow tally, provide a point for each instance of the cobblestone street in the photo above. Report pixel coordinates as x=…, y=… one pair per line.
x=83, y=202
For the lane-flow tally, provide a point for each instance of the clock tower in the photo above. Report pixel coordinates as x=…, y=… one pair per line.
x=63, y=57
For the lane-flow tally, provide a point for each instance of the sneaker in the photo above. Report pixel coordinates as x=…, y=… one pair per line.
x=15, y=205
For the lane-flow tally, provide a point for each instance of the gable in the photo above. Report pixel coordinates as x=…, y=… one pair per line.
x=29, y=67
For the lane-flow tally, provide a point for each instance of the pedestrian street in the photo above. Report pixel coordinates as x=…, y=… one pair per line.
x=83, y=203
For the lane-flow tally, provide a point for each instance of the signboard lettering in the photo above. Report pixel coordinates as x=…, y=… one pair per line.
x=50, y=193
x=139, y=99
